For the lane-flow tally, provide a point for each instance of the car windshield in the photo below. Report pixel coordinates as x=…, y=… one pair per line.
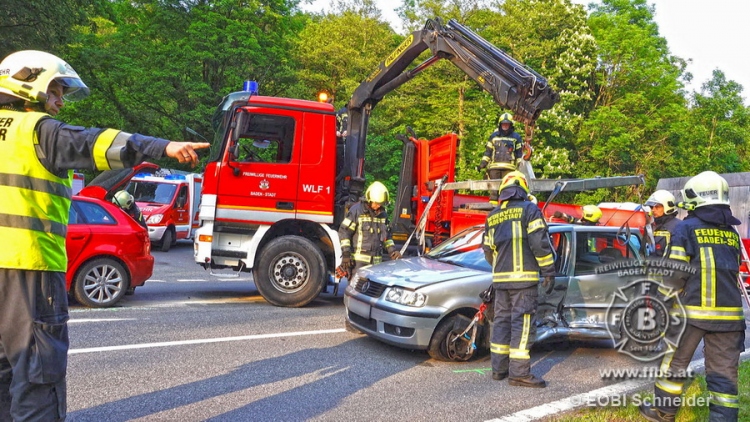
x=159, y=193
x=463, y=249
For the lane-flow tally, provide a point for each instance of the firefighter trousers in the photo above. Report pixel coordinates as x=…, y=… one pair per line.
x=722, y=354
x=513, y=330
x=496, y=174
x=33, y=345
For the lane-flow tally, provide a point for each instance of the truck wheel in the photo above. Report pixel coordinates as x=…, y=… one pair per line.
x=443, y=347
x=166, y=240
x=101, y=283
x=290, y=272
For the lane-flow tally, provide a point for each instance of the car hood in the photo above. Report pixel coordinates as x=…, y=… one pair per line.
x=108, y=182
x=416, y=272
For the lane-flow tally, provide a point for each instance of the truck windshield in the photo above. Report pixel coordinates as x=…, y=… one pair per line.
x=152, y=192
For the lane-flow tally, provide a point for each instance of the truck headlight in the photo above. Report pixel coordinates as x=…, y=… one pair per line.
x=405, y=297
x=155, y=219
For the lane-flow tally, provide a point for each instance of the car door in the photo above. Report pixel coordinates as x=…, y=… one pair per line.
x=551, y=305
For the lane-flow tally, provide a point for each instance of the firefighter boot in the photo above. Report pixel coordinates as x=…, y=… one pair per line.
x=654, y=414
x=499, y=376
x=528, y=381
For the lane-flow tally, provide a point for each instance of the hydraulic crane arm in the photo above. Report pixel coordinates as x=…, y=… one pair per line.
x=512, y=85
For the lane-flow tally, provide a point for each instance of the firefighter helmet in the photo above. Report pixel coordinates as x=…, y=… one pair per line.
x=515, y=178
x=377, y=192
x=663, y=198
x=123, y=199
x=707, y=188
x=591, y=213
x=28, y=74
x=505, y=118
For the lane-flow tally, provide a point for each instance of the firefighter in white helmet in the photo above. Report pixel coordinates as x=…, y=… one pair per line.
x=707, y=242
x=40, y=153
x=664, y=210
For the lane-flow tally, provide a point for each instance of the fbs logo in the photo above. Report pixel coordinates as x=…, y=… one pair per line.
x=645, y=319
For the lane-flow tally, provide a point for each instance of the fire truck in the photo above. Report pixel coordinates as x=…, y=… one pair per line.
x=279, y=180
x=169, y=203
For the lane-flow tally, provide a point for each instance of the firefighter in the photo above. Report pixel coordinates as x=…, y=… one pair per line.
x=125, y=201
x=364, y=232
x=591, y=214
x=517, y=246
x=664, y=210
x=40, y=153
x=706, y=241
x=502, y=153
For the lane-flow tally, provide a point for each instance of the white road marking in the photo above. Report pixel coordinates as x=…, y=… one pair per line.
x=191, y=279
x=202, y=341
x=99, y=320
x=577, y=401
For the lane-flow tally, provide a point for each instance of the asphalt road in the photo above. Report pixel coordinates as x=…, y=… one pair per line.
x=188, y=346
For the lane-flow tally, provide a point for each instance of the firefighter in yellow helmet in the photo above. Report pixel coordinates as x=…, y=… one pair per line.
x=364, y=231
x=590, y=216
x=707, y=242
x=516, y=243
x=39, y=155
x=502, y=153
x=664, y=210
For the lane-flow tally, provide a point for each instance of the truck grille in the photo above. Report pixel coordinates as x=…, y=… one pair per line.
x=369, y=288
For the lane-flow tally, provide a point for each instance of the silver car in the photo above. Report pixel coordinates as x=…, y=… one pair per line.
x=427, y=302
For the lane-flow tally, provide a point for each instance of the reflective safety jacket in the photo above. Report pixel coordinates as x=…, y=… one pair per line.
x=663, y=229
x=36, y=185
x=363, y=233
x=711, y=297
x=503, y=151
x=516, y=244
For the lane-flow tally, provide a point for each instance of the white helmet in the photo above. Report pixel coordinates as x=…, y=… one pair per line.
x=377, y=192
x=27, y=75
x=663, y=198
x=707, y=188
x=123, y=198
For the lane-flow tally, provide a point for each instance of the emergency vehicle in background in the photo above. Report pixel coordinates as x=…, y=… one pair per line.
x=280, y=181
x=169, y=203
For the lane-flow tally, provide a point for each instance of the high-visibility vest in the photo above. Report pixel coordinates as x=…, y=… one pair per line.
x=35, y=203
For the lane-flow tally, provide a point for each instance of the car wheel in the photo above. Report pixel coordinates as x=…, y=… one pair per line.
x=166, y=240
x=290, y=272
x=101, y=283
x=446, y=344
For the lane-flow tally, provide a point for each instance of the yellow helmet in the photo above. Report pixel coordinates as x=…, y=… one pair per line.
x=663, y=198
x=27, y=75
x=123, y=199
x=707, y=188
x=377, y=192
x=591, y=213
x=515, y=178
x=505, y=118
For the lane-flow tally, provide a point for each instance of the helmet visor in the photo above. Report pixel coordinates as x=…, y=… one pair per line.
x=73, y=88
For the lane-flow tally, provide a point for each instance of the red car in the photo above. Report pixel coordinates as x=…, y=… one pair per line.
x=109, y=253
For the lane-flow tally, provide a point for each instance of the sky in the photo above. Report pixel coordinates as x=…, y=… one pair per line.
x=711, y=33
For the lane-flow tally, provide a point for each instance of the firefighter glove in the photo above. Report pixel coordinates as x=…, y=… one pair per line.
x=347, y=262
x=558, y=214
x=548, y=284
x=395, y=255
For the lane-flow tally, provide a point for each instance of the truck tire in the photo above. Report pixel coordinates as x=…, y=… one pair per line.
x=290, y=272
x=166, y=240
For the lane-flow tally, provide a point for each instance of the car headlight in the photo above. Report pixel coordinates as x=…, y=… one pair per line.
x=405, y=297
x=155, y=219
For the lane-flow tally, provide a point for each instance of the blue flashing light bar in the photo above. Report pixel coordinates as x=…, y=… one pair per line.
x=174, y=177
x=143, y=175
x=251, y=87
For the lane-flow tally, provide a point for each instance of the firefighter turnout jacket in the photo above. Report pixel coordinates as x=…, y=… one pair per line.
x=663, y=229
x=503, y=151
x=36, y=183
x=364, y=232
x=517, y=232
x=710, y=296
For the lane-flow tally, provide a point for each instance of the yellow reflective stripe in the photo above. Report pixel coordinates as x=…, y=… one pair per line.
x=362, y=257
x=519, y=354
x=518, y=276
x=669, y=386
x=346, y=243
x=667, y=360
x=377, y=259
x=536, y=225
x=490, y=145
x=485, y=158
x=728, y=313
x=708, y=277
x=500, y=349
x=678, y=253
x=545, y=261
x=663, y=233
x=523, y=344
x=389, y=243
x=347, y=222
x=517, y=246
x=725, y=400
x=107, y=148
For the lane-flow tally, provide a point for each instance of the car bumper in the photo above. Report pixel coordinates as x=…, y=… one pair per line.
x=142, y=269
x=390, y=324
x=155, y=233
